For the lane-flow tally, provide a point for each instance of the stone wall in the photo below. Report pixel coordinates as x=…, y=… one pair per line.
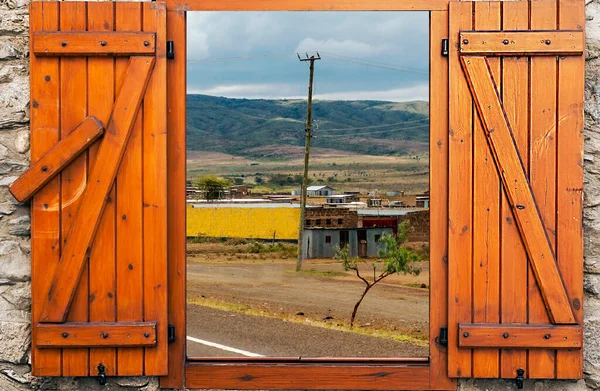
x=15, y=224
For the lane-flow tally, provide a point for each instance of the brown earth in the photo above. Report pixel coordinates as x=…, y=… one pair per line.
x=227, y=279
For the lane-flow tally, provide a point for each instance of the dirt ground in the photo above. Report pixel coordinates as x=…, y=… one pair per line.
x=232, y=281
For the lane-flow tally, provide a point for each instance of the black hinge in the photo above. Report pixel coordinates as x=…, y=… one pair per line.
x=520, y=378
x=443, y=338
x=170, y=50
x=171, y=332
x=445, y=47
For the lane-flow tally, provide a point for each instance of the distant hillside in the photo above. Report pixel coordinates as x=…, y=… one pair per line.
x=257, y=127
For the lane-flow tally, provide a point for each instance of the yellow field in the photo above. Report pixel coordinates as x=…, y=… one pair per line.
x=257, y=223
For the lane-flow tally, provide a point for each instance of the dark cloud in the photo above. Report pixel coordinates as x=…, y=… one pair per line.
x=366, y=55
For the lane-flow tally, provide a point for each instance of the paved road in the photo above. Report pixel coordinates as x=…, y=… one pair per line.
x=278, y=338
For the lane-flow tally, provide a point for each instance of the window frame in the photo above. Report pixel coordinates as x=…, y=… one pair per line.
x=423, y=373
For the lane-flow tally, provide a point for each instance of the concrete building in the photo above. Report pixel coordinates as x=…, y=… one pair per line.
x=319, y=191
x=363, y=242
x=341, y=199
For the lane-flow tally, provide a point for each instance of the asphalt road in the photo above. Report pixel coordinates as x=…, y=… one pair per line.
x=277, y=338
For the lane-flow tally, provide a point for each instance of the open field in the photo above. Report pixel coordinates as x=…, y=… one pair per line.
x=247, y=295
x=346, y=171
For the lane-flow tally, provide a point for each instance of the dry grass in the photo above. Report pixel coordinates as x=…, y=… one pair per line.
x=415, y=339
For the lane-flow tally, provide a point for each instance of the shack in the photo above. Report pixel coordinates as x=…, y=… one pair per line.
x=363, y=242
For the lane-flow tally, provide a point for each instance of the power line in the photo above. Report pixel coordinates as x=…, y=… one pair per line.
x=376, y=62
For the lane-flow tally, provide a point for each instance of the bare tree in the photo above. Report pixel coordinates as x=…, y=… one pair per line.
x=394, y=257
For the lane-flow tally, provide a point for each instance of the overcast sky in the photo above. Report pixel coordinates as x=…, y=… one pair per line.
x=268, y=67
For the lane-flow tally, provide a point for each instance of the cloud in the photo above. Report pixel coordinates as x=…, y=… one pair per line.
x=417, y=92
x=251, y=91
x=346, y=47
x=292, y=91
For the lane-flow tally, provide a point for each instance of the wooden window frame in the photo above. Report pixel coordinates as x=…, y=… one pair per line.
x=427, y=373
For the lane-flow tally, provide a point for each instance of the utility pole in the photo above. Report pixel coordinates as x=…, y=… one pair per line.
x=308, y=136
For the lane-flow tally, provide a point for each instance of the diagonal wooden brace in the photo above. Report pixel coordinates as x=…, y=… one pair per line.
x=110, y=154
x=514, y=179
x=57, y=158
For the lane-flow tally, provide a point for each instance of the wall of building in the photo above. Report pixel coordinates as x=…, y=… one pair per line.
x=240, y=222
x=315, y=243
x=14, y=223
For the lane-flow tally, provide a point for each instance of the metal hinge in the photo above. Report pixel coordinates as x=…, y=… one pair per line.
x=520, y=378
x=170, y=50
x=443, y=337
x=171, y=333
x=445, y=47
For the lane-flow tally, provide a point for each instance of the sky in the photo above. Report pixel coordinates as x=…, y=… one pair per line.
x=365, y=55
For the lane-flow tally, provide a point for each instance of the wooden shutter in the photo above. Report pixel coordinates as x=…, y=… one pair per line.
x=515, y=189
x=98, y=181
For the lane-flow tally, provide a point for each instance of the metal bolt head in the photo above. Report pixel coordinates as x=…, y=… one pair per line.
x=146, y=43
x=63, y=44
x=465, y=41
x=505, y=42
x=147, y=334
x=548, y=42
x=103, y=43
x=104, y=335
x=466, y=334
x=44, y=168
x=505, y=335
x=547, y=336
x=65, y=335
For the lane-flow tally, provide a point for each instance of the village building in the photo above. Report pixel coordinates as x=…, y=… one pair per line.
x=338, y=199
x=362, y=242
x=320, y=191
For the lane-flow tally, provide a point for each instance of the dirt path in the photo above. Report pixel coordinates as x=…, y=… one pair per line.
x=325, y=293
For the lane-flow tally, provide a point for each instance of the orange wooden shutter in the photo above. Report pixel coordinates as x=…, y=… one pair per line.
x=515, y=194
x=98, y=181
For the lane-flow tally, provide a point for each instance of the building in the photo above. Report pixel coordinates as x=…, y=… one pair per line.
x=339, y=199
x=320, y=191
x=422, y=201
x=239, y=191
x=374, y=202
x=330, y=218
x=362, y=242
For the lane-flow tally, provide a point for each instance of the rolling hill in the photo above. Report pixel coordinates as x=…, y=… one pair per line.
x=258, y=127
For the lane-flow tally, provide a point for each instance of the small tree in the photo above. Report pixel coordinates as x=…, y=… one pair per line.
x=394, y=257
x=212, y=186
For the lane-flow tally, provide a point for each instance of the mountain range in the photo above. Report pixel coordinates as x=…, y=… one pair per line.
x=257, y=127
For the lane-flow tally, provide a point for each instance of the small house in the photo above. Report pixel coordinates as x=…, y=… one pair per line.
x=320, y=191
x=337, y=199
x=362, y=242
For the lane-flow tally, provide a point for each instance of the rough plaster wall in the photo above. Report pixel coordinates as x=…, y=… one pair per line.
x=15, y=270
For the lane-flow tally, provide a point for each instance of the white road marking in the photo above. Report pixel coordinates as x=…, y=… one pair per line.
x=223, y=347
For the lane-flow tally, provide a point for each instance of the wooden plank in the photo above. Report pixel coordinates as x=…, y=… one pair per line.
x=101, y=96
x=486, y=218
x=45, y=218
x=307, y=377
x=94, y=196
x=522, y=43
x=542, y=169
x=514, y=266
x=49, y=165
x=438, y=212
x=73, y=109
x=307, y=5
x=176, y=242
x=154, y=184
x=460, y=232
x=515, y=182
x=93, y=43
x=520, y=336
x=129, y=224
x=102, y=334
x=569, y=181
